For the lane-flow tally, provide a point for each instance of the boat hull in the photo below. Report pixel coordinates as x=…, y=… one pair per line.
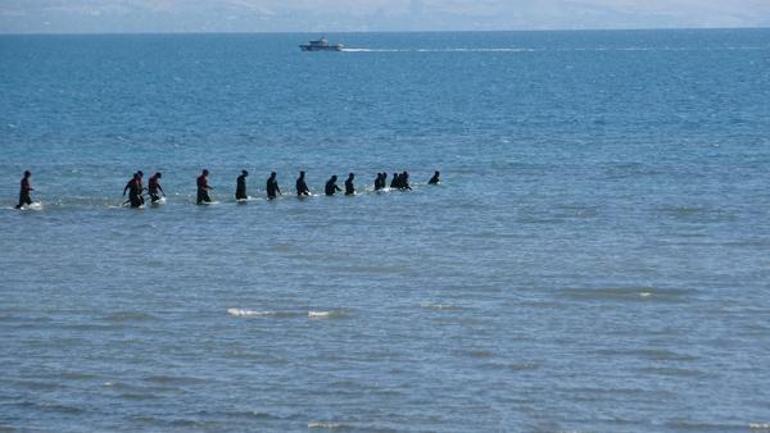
x=337, y=47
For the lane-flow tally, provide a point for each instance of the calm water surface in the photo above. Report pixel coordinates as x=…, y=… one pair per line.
x=596, y=259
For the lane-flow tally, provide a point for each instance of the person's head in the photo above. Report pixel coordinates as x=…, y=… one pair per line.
x=272, y=174
x=158, y=175
x=436, y=173
x=137, y=176
x=301, y=174
x=384, y=175
x=334, y=177
x=27, y=173
x=140, y=173
x=351, y=175
x=244, y=173
x=205, y=172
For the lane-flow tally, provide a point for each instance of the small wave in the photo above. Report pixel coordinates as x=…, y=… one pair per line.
x=312, y=314
x=243, y=312
x=174, y=380
x=524, y=366
x=759, y=426
x=704, y=426
x=240, y=312
x=672, y=372
x=480, y=353
x=626, y=294
x=440, y=307
x=651, y=354
x=325, y=425
x=324, y=314
x=128, y=316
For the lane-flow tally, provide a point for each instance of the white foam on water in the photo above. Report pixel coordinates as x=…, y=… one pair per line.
x=439, y=50
x=324, y=425
x=372, y=50
x=319, y=314
x=645, y=294
x=759, y=426
x=240, y=312
x=35, y=206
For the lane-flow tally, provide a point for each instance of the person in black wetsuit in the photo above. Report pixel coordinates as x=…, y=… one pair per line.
x=140, y=185
x=434, y=180
x=272, y=187
x=378, y=182
x=240, y=186
x=154, y=188
x=302, y=189
x=203, y=188
x=134, y=188
x=395, y=181
x=350, y=189
x=24, y=190
x=403, y=184
x=331, y=186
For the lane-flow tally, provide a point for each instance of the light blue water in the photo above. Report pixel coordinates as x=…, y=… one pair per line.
x=596, y=259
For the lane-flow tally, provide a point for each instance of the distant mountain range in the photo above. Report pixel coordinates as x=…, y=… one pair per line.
x=108, y=16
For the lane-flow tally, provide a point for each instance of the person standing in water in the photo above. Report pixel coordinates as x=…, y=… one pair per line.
x=403, y=184
x=240, y=186
x=134, y=189
x=272, y=187
x=377, y=182
x=350, y=189
x=302, y=189
x=331, y=186
x=154, y=188
x=395, y=181
x=203, y=188
x=24, y=190
x=140, y=186
x=434, y=180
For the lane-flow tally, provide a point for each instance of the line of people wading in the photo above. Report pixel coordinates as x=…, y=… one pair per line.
x=135, y=187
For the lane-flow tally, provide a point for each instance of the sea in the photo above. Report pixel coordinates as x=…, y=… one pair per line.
x=595, y=259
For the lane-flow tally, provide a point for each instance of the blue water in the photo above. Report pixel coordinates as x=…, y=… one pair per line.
x=596, y=259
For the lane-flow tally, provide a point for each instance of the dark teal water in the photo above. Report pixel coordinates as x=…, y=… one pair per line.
x=596, y=259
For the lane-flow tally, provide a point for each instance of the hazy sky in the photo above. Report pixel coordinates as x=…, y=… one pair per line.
x=105, y=16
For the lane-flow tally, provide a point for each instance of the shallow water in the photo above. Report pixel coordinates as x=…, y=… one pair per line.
x=594, y=261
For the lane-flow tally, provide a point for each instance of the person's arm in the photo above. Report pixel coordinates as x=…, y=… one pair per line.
x=338, y=188
x=161, y=190
x=278, y=189
x=128, y=185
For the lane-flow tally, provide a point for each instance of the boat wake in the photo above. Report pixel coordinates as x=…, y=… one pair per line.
x=437, y=50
